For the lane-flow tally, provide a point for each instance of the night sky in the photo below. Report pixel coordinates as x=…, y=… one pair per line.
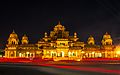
x=86, y=17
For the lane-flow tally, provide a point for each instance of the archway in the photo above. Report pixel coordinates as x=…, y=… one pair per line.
x=62, y=54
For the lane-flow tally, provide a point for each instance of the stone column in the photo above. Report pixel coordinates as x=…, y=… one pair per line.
x=76, y=53
x=15, y=54
x=5, y=53
x=105, y=54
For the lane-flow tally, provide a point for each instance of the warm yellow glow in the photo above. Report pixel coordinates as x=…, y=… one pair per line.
x=93, y=52
x=82, y=52
x=117, y=50
x=27, y=52
x=59, y=45
x=20, y=55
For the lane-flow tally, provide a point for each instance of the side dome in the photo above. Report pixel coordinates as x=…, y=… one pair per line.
x=25, y=39
x=106, y=36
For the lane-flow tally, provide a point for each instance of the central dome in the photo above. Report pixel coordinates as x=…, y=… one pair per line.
x=59, y=27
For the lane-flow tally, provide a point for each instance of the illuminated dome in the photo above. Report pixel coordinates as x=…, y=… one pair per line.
x=90, y=38
x=107, y=40
x=13, y=35
x=59, y=27
x=24, y=37
x=13, y=38
x=106, y=36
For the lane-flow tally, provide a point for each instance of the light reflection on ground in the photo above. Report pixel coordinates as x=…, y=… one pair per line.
x=86, y=66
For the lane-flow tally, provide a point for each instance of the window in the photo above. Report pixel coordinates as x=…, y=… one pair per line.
x=74, y=54
x=53, y=54
x=62, y=44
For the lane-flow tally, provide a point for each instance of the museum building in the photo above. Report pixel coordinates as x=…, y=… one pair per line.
x=59, y=45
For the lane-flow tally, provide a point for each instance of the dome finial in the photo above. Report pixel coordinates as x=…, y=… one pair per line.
x=106, y=33
x=13, y=31
x=59, y=22
x=24, y=35
x=90, y=35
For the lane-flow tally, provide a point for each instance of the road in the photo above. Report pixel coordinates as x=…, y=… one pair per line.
x=50, y=69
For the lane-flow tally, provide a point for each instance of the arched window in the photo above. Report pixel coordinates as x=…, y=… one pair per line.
x=12, y=54
x=13, y=42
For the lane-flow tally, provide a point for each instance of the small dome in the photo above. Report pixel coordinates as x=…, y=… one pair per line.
x=106, y=36
x=25, y=37
x=91, y=40
x=91, y=37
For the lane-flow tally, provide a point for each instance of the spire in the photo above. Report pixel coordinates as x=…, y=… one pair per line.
x=13, y=31
x=90, y=35
x=25, y=35
x=106, y=33
x=59, y=23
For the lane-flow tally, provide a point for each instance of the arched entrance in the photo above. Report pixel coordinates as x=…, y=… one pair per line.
x=12, y=54
x=62, y=54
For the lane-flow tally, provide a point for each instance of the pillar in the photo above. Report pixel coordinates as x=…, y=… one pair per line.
x=76, y=53
x=8, y=54
x=15, y=54
x=5, y=53
x=33, y=54
x=105, y=54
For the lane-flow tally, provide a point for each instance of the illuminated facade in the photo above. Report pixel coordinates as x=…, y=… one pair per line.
x=59, y=45
x=106, y=50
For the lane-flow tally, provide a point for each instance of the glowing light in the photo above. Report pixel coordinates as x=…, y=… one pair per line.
x=118, y=52
x=93, y=52
x=91, y=69
x=117, y=49
x=82, y=52
x=20, y=54
x=27, y=52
